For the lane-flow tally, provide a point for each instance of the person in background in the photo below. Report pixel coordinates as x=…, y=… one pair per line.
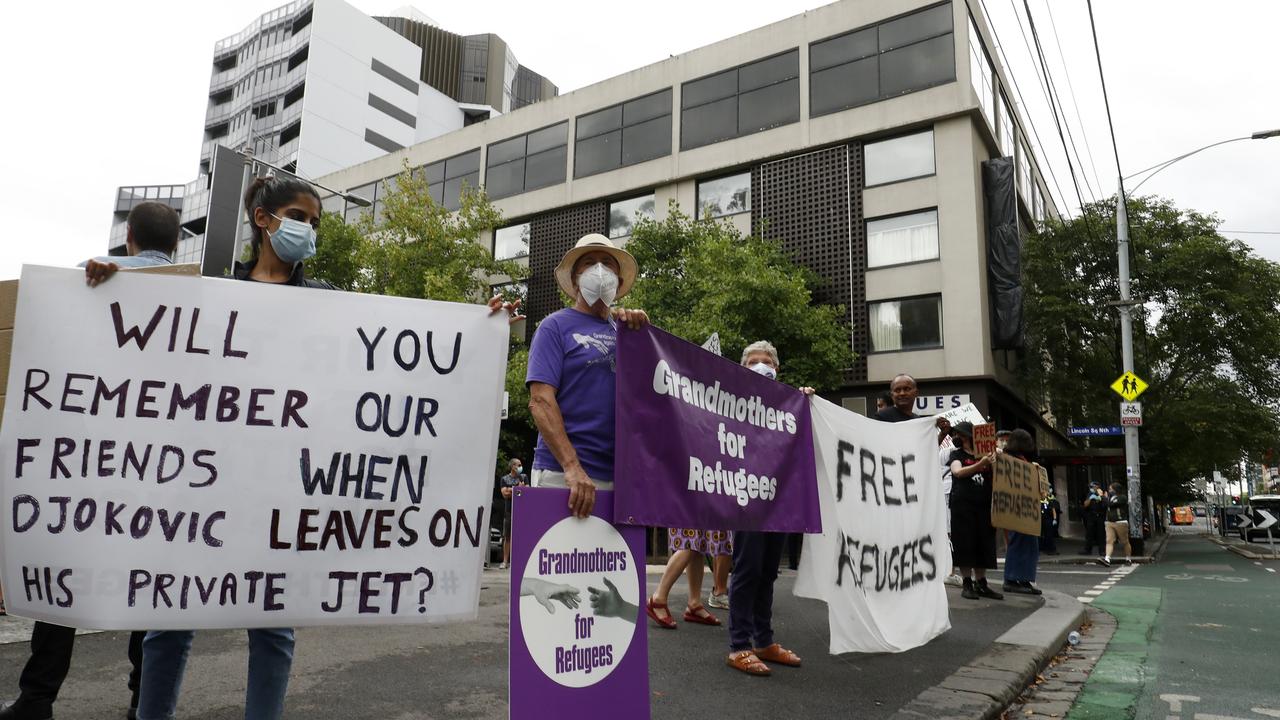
x=1095, y=509
x=151, y=239
x=902, y=394
x=756, y=556
x=884, y=400
x=1023, y=552
x=687, y=548
x=572, y=368
x=972, y=538
x=1050, y=510
x=1117, y=523
x=508, y=483
x=945, y=447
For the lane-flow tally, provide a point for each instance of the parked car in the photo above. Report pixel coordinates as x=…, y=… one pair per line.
x=1270, y=503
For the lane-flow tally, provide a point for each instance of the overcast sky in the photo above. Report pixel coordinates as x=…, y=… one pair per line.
x=115, y=93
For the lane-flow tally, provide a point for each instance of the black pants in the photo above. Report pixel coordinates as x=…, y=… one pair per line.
x=1095, y=533
x=42, y=676
x=755, y=566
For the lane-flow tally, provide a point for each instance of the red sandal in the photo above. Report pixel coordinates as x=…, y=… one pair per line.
x=691, y=615
x=747, y=662
x=651, y=607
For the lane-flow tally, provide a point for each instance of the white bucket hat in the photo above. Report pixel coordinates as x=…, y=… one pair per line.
x=627, y=268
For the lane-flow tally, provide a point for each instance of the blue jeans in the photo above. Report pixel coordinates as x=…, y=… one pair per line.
x=164, y=659
x=755, y=566
x=1021, y=558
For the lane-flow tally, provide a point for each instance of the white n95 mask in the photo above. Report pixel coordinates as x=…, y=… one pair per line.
x=764, y=370
x=598, y=283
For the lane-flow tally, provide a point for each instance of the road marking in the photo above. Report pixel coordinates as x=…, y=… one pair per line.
x=1095, y=593
x=1271, y=569
x=1175, y=701
x=1085, y=599
x=1207, y=716
x=1267, y=711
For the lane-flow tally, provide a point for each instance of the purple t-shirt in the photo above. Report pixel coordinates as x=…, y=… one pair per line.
x=574, y=353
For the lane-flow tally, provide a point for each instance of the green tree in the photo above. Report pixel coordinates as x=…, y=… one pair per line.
x=698, y=277
x=1202, y=337
x=414, y=247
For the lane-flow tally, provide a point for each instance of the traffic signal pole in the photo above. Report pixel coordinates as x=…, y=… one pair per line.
x=1132, y=465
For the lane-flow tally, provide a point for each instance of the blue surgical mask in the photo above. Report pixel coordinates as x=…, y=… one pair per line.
x=294, y=241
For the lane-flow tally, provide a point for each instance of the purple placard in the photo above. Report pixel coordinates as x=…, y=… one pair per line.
x=578, y=645
x=705, y=443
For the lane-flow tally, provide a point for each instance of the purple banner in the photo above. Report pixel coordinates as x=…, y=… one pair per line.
x=578, y=645
x=705, y=443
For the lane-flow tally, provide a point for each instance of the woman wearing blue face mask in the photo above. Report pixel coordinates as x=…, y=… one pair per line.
x=284, y=214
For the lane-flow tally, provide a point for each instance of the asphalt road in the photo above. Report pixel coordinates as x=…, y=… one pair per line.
x=1196, y=639
x=460, y=671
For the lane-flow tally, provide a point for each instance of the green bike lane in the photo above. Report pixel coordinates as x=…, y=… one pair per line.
x=1197, y=638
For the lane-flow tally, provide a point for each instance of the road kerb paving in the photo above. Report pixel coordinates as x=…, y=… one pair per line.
x=986, y=685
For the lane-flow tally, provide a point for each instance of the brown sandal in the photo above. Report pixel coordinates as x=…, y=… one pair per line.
x=747, y=662
x=700, y=615
x=777, y=654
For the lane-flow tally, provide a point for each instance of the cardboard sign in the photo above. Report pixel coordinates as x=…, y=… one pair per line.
x=1015, y=495
x=578, y=642
x=187, y=453
x=703, y=442
x=1045, y=486
x=883, y=552
x=984, y=439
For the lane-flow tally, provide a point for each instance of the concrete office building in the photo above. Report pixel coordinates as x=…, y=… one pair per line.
x=317, y=85
x=856, y=134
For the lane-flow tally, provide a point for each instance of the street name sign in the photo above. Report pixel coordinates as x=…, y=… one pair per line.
x=1129, y=386
x=1095, y=430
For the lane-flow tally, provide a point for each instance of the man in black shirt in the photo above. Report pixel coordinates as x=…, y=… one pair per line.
x=904, y=391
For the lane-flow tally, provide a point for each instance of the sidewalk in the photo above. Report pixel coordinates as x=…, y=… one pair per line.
x=1071, y=552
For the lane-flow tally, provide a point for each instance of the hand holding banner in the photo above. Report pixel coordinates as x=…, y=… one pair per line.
x=703, y=442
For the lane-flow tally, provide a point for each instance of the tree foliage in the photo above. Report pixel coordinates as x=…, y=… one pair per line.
x=699, y=277
x=414, y=247
x=1203, y=337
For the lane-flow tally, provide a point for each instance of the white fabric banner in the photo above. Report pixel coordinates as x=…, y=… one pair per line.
x=879, y=564
x=186, y=453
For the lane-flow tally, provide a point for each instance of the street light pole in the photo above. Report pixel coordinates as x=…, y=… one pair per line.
x=1132, y=463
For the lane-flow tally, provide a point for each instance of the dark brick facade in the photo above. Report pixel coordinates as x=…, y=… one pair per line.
x=551, y=235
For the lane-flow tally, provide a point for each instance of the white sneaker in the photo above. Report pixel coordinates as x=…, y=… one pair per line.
x=503, y=566
x=718, y=601
x=953, y=580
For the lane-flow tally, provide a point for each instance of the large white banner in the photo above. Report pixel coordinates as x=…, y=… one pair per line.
x=880, y=561
x=200, y=453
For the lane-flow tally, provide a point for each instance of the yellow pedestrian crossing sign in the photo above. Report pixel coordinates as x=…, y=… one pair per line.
x=1129, y=386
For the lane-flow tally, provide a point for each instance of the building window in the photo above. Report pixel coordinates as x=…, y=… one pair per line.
x=982, y=75
x=625, y=134
x=527, y=162
x=900, y=158
x=902, y=239
x=744, y=100
x=906, y=324
x=353, y=211
x=1024, y=173
x=724, y=196
x=511, y=242
x=1005, y=120
x=895, y=57
x=624, y=214
x=447, y=178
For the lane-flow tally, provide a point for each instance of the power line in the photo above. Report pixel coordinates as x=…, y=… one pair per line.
x=1251, y=232
x=1106, y=101
x=1088, y=149
x=1054, y=111
x=1062, y=197
x=1053, y=97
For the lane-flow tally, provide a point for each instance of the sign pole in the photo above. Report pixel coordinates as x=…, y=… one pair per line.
x=1133, y=468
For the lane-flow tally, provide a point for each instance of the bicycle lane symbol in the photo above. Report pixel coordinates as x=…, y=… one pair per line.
x=1219, y=578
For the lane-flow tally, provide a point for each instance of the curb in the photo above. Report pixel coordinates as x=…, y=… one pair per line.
x=1247, y=554
x=987, y=684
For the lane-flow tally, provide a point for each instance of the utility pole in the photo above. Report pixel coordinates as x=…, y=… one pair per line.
x=1132, y=464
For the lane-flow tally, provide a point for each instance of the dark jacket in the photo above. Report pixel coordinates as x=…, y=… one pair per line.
x=1118, y=508
x=298, y=278
x=893, y=414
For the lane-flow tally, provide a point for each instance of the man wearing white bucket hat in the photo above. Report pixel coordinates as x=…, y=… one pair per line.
x=571, y=372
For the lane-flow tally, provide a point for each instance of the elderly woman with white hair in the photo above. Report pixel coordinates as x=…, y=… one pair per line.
x=755, y=568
